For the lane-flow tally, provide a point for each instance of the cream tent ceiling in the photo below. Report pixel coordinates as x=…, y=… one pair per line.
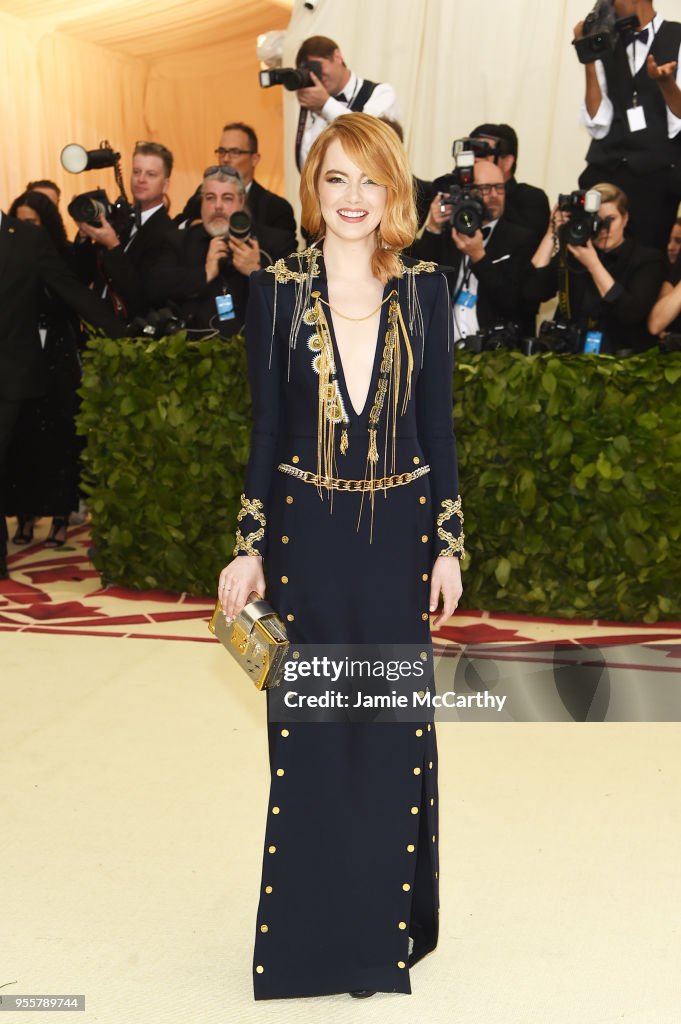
x=152, y=30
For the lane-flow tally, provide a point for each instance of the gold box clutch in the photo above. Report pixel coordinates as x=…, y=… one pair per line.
x=256, y=639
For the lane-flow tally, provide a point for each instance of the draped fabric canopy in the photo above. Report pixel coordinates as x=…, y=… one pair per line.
x=124, y=70
x=175, y=71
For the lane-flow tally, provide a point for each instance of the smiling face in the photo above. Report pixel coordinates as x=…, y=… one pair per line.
x=352, y=205
x=148, y=181
x=613, y=235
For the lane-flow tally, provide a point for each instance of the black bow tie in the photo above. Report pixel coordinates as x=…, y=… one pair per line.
x=636, y=37
x=341, y=97
x=486, y=232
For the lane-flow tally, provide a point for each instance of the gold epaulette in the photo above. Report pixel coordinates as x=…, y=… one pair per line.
x=307, y=266
x=421, y=267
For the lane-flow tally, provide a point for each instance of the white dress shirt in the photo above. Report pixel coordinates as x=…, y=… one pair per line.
x=466, y=317
x=381, y=103
x=637, y=52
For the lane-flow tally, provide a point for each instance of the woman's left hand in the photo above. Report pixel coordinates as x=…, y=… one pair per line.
x=446, y=580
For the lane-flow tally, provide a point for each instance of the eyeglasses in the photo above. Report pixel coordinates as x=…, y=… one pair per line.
x=486, y=190
x=232, y=151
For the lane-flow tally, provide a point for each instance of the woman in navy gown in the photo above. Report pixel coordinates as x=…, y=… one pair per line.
x=351, y=508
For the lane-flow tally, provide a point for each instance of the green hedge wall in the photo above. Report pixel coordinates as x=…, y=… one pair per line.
x=570, y=473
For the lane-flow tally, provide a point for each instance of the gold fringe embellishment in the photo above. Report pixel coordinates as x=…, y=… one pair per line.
x=330, y=410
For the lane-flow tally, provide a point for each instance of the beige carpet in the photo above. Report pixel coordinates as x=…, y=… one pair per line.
x=133, y=784
x=133, y=787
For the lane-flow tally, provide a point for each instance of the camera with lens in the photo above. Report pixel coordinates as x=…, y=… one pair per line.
x=670, y=343
x=501, y=335
x=291, y=78
x=584, y=222
x=240, y=227
x=90, y=207
x=601, y=29
x=467, y=212
x=158, y=323
x=555, y=336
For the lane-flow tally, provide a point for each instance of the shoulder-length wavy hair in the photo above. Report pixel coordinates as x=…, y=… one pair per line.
x=377, y=150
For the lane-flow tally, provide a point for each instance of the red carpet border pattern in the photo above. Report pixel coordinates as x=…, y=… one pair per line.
x=59, y=591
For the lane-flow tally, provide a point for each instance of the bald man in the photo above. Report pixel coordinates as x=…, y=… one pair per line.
x=486, y=270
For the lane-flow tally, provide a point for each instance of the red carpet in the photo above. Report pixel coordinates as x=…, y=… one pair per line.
x=59, y=591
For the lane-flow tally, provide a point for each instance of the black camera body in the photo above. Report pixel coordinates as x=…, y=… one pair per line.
x=291, y=78
x=584, y=223
x=467, y=212
x=670, y=343
x=241, y=227
x=601, y=29
x=558, y=336
x=158, y=323
x=90, y=207
x=501, y=335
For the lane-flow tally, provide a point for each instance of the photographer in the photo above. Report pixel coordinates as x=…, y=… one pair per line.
x=606, y=286
x=30, y=263
x=526, y=205
x=665, y=316
x=487, y=269
x=632, y=110
x=238, y=148
x=120, y=264
x=206, y=279
x=336, y=91
x=674, y=243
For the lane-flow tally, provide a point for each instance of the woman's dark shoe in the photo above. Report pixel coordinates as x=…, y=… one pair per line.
x=24, y=531
x=57, y=535
x=362, y=993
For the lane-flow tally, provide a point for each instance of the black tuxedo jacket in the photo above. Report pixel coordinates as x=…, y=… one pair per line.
x=500, y=273
x=528, y=207
x=28, y=263
x=126, y=272
x=276, y=214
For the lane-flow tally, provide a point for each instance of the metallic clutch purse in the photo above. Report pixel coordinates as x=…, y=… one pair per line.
x=256, y=639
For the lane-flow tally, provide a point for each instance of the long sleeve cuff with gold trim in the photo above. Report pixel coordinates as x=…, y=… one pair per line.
x=450, y=541
x=250, y=541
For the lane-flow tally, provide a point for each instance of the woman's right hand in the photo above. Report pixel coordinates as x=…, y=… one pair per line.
x=243, y=575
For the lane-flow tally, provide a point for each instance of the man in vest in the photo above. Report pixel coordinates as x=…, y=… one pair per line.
x=632, y=110
x=338, y=91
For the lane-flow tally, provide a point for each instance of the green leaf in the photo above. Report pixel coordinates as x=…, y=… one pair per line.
x=549, y=383
x=503, y=571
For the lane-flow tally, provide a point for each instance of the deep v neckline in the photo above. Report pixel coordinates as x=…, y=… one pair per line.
x=340, y=369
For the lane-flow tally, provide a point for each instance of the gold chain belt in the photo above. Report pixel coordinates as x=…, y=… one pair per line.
x=334, y=483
